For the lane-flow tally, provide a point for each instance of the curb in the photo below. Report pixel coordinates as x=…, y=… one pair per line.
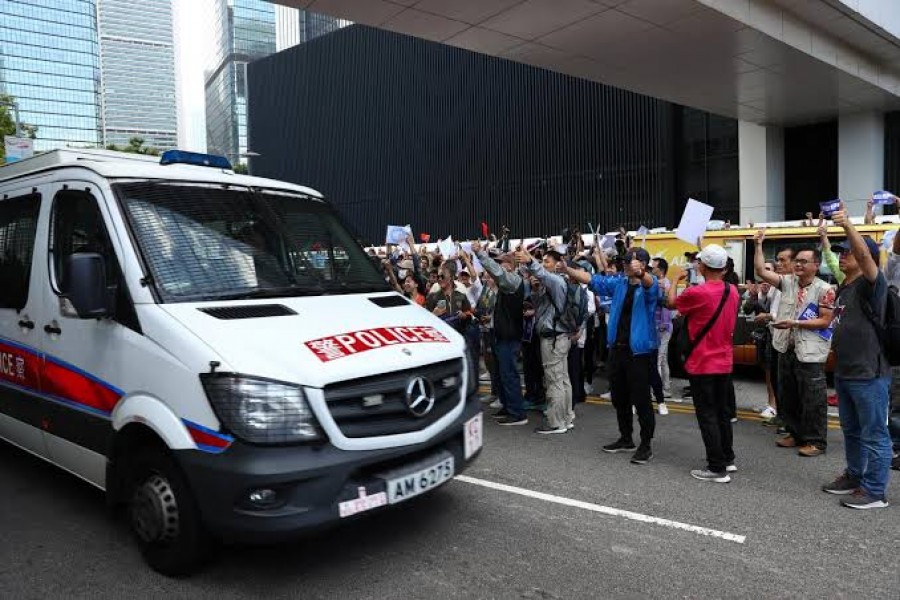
x=688, y=409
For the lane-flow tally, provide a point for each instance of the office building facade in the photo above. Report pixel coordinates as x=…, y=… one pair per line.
x=244, y=31
x=397, y=130
x=138, y=72
x=50, y=64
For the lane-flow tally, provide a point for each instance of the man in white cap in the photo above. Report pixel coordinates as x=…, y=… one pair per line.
x=710, y=310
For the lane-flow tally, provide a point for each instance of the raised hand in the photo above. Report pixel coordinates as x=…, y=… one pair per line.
x=840, y=217
x=760, y=235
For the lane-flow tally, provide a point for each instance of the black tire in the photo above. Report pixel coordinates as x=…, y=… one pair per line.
x=163, y=516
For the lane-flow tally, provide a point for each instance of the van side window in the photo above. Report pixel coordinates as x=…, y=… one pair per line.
x=18, y=223
x=77, y=226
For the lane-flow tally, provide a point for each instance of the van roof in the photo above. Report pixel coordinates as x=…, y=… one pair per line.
x=123, y=165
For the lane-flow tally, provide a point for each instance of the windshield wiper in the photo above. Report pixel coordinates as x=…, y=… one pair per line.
x=278, y=292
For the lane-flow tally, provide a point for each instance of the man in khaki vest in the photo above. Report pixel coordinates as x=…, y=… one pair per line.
x=802, y=337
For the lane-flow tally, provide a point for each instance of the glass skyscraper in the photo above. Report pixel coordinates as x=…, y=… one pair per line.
x=50, y=62
x=244, y=31
x=138, y=72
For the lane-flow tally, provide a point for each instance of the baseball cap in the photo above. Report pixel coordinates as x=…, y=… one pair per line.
x=870, y=243
x=406, y=264
x=638, y=254
x=714, y=256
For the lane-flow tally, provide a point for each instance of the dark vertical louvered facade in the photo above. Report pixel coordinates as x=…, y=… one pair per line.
x=396, y=130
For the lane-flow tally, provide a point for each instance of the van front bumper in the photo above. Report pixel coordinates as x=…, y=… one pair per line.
x=309, y=482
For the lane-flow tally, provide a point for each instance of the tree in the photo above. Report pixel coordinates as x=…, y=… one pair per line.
x=135, y=146
x=241, y=169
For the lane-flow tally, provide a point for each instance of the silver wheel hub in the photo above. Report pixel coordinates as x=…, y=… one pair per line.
x=154, y=511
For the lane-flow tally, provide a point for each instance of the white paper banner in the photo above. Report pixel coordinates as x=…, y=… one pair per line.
x=888, y=242
x=693, y=222
x=397, y=234
x=447, y=248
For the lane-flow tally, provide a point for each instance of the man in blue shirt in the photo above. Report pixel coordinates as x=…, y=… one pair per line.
x=632, y=340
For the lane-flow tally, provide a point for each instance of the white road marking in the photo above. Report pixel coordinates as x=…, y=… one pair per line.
x=606, y=510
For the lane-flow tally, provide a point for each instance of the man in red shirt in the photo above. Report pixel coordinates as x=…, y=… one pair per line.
x=710, y=363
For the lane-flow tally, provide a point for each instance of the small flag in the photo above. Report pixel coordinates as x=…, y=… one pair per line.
x=883, y=197
x=425, y=237
x=485, y=232
x=830, y=207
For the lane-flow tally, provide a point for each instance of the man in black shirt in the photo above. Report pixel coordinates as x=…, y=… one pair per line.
x=862, y=373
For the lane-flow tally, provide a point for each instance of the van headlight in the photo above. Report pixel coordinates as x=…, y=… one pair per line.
x=261, y=411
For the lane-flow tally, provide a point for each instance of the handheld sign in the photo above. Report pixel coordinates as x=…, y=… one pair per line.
x=694, y=220
x=829, y=208
x=883, y=197
x=447, y=248
x=396, y=234
x=812, y=312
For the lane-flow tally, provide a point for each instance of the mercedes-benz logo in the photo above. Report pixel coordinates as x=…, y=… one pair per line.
x=419, y=396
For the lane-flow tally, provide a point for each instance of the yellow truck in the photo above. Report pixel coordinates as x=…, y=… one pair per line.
x=740, y=246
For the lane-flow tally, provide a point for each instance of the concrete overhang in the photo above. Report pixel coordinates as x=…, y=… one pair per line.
x=779, y=62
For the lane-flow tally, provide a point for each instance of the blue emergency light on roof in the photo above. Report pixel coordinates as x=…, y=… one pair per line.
x=173, y=157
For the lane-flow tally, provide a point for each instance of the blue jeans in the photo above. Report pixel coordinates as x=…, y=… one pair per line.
x=510, y=385
x=863, y=406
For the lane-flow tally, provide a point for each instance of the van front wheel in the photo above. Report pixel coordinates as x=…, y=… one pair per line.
x=164, y=518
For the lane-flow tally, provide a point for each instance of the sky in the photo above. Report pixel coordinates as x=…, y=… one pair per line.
x=192, y=41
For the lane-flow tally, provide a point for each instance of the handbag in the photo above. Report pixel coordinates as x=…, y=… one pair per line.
x=685, y=345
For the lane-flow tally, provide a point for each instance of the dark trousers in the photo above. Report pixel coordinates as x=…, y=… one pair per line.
x=575, y=373
x=710, y=393
x=732, y=399
x=656, y=383
x=629, y=383
x=490, y=360
x=803, y=399
x=588, y=362
x=510, y=385
x=533, y=367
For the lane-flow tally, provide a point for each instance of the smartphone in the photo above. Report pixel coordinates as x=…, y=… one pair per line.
x=442, y=304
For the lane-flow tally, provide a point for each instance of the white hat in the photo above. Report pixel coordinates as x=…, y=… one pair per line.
x=714, y=256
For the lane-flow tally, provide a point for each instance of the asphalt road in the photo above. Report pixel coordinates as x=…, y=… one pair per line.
x=779, y=536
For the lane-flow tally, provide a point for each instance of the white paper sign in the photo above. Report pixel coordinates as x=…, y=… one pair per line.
x=608, y=241
x=693, y=222
x=562, y=248
x=396, y=234
x=466, y=247
x=447, y=248
x=883, y=197
x=888, y=242
x=643, y=231
x=477, y=264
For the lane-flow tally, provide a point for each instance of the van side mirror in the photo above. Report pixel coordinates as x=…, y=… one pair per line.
x=85, y=287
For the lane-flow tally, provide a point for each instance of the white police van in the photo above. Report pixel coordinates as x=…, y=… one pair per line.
x=216, y=352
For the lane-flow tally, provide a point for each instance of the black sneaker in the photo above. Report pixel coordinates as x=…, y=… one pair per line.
x=712, y=476
x=842, y=486
x=501, y=414
x=895, y=463
x=619, y=445
x=511, y=420
x=547, y=430
x=642, y=456
x=863, y=500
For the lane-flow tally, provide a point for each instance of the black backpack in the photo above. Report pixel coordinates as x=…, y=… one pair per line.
x=574, y=311
x=889, y=331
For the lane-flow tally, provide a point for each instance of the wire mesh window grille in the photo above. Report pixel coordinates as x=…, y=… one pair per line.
x=18, y=223
x=205, y=242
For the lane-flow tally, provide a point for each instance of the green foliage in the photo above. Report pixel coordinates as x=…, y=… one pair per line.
x=8, y=122
x=135, y=146
x=241, y=169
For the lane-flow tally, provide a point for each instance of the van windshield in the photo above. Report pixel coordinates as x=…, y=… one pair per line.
x=209, y=242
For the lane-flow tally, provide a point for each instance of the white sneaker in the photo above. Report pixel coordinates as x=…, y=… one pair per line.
x=496, y=404
x=588, y=387
x=768, y=413
x=571, y=426
x=606, y=396
x=734, y=419
x=663, y=409
x=634, y=410
x=731, y=468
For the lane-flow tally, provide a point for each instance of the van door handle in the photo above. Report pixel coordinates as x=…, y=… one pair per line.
x=26, y=324
x=52, y=329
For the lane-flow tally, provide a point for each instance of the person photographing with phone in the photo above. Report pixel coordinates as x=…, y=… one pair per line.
x=448, y=303
x=802, y=339
x=710, y=312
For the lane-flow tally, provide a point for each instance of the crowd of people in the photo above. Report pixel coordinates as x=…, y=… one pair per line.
x=561, y=312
